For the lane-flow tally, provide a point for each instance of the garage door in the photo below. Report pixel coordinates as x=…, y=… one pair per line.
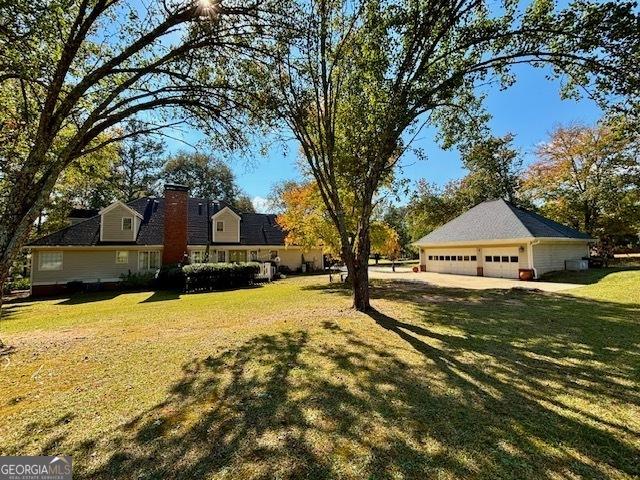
x=501, y=262
x=459, y=261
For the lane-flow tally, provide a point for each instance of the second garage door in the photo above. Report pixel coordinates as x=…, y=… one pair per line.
x=501, y=262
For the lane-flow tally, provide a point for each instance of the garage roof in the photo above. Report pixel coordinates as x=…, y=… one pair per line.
x=499, y=220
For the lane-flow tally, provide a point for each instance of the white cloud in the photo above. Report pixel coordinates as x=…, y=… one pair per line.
x=261, y=205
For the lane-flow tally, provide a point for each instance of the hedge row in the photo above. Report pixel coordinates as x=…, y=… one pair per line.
x=214, y=276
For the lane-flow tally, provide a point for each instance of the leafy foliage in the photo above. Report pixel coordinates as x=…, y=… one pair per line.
x=140, y=162
x=16, y=284
x=589, y=178
x=206, y=177
x=308, y=224
x=137, y=280
x=495, y=169
x=214, y=276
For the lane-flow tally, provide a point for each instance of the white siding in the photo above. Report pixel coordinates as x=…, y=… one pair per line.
x=111, y=223
x=85, y=265
x=550, y=257
x=231, y=224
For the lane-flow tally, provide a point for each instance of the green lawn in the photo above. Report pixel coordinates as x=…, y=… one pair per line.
x=285, y=381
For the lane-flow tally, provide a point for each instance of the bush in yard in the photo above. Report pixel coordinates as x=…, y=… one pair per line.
x=214, y=276
x=285, y=270
x=171, y=277
x=16, y=284
x=75, y=286
x=134, y=281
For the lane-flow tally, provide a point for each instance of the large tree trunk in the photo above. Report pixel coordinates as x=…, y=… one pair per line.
x=360, y=278
x=356, y=260
x=19, y=214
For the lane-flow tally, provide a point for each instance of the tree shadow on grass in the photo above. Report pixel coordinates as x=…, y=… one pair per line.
x=162, y=296
x=472, y=384
x=586, y=277
x=90, y=297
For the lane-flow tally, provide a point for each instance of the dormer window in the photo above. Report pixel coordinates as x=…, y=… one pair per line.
x=127, y=224
x=219, y=226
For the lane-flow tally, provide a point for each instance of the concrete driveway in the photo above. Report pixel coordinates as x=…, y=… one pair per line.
x=463, y=281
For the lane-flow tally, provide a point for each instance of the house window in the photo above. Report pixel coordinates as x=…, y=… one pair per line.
x=197, y=256
x=222, y=256
x=50, y=260
x=253, y=255
x=515, y=259
x=122, y=256
x=236, y=256
x=127, y=224
x=488, y=258
x=219, y=226
x=273, y=254
x=148, y=260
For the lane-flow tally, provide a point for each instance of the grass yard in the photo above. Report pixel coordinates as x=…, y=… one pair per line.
x=285, y=381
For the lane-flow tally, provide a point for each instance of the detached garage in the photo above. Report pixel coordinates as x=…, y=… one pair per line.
x=496, y=239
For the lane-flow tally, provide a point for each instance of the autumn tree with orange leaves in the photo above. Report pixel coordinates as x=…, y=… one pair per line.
x=308, y=224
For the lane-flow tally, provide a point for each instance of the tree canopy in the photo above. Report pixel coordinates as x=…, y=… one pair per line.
x=206, y=177
x=305, y=219
x=589, y=178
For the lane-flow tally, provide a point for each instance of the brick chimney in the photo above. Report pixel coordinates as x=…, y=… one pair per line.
x=176, y=210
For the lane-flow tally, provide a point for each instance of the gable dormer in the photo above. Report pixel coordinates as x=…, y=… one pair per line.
x=119, y=223
x=226, y=226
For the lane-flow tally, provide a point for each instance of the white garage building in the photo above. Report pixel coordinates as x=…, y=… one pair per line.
x=496, y=239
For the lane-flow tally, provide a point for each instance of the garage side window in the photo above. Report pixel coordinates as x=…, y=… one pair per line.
x=50, y=260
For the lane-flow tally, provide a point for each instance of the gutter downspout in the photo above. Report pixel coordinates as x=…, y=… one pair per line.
x=530, y=255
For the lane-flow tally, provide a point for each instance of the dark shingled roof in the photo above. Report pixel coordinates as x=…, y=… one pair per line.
x=82, y=213
x=255, y=228
x=499, y=220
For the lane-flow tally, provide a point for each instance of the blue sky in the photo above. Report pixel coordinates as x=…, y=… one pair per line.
x=530, y=109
